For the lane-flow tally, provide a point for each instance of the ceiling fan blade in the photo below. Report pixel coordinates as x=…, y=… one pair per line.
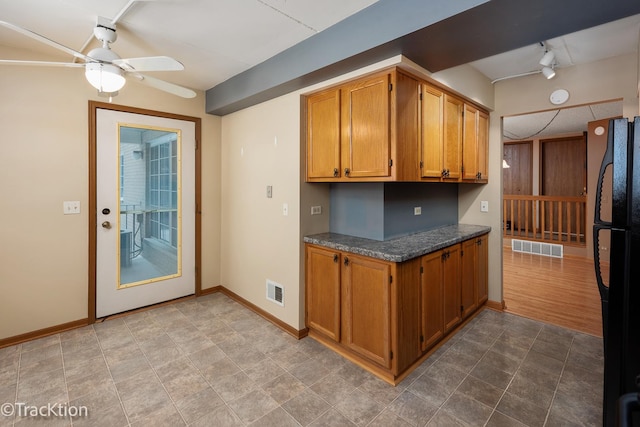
x=165, y=86
x=149, y=63
x=45, y=40
x=40, y=63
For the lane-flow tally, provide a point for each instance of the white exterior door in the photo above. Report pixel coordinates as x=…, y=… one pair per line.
x=145, y=195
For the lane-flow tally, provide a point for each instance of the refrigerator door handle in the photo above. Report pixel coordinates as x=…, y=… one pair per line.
x=607, y=161
x=604, y=289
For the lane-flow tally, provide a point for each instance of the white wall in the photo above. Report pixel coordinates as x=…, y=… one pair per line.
x=44, y=161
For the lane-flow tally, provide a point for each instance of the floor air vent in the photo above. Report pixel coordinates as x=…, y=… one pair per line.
x=537, y=248
x=275, y=292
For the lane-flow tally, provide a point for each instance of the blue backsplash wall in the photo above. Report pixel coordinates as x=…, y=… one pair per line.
x=383, y=211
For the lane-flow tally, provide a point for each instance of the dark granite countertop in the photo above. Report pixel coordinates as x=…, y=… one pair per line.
x=402, y=248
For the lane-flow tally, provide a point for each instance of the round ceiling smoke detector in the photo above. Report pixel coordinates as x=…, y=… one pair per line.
x=559, y=96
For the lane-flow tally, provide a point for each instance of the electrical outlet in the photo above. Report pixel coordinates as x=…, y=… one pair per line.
x=484, y=206
x=71, y=207
x=316, y=210
x=417, y=210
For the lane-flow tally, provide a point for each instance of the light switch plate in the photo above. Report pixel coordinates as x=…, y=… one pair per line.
x=484, y=206
x=417, y=210
x=71, y=207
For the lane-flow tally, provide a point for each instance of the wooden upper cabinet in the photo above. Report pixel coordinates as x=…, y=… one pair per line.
x=470, y=143
x=392, y=126
x=483, y=146
x=432, y=131
x=365, y=112
x=323, y=291
x=323, y=134
x=475, y=144
x=452, y=153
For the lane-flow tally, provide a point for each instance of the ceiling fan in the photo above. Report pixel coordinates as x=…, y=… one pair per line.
x=104, y=69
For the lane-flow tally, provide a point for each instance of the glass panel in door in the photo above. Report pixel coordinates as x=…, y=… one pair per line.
x=149, y=205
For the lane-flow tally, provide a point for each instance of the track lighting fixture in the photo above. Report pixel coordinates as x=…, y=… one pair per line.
x=548, y=62
x=548, y=72
x=548, y=58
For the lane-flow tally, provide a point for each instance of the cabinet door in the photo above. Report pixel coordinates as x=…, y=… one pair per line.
x=468, y=282
x=483, y=145
x=482, y=268
x=323, y=291
x=431, y=297
x=470, y=144
x=432, y=132
x=323, y=135
x=452, y=137
x=451, y=286
x=366, y=142
x=366, y=316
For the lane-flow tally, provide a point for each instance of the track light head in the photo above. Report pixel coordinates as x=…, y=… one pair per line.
x=548, y=72
x=547, y=59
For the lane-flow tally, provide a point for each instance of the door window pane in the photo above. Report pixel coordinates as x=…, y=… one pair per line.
x=149, y=205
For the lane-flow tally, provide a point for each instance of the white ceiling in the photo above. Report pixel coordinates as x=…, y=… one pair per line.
x=217, y=40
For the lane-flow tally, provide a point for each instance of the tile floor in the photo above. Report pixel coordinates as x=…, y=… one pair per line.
x=211, y=362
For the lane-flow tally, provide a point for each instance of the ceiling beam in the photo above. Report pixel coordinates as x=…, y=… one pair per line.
x=436, y=35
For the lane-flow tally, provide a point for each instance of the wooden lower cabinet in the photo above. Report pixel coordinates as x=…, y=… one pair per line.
x=323, y=291
x=386, y=316
x=431, y=296
x=366, y=308
x=468, y=282
x=475, y=257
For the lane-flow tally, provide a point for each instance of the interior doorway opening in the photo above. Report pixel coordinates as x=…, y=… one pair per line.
x=560, y=291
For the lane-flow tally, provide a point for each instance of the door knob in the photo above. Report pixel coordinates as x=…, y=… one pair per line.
x=106, y=224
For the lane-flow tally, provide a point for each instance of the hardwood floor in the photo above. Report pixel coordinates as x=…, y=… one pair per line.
x=560, y=291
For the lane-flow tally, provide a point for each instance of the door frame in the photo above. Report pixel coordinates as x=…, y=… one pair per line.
x=93, y=210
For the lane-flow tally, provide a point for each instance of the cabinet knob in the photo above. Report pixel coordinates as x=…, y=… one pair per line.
x=444, y=173
x=335, y=172
x=335, y=257
x=346, y=171
x=346, y=260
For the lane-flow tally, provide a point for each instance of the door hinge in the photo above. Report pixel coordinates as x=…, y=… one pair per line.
x=462, y=170
x=390, y=162
x=390, y=279
x=420, y=96
x=391, y=355
x=461, y=253
x=421, y=338
x=390, y=87
x=461, y=308
x=197, y=144
x=421, y=164
x=421, y=270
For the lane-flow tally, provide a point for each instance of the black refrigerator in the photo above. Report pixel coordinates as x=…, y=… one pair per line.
x=620, y=288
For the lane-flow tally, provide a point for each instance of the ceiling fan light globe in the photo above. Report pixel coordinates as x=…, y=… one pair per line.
x=104, y=77
x=548, y=72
